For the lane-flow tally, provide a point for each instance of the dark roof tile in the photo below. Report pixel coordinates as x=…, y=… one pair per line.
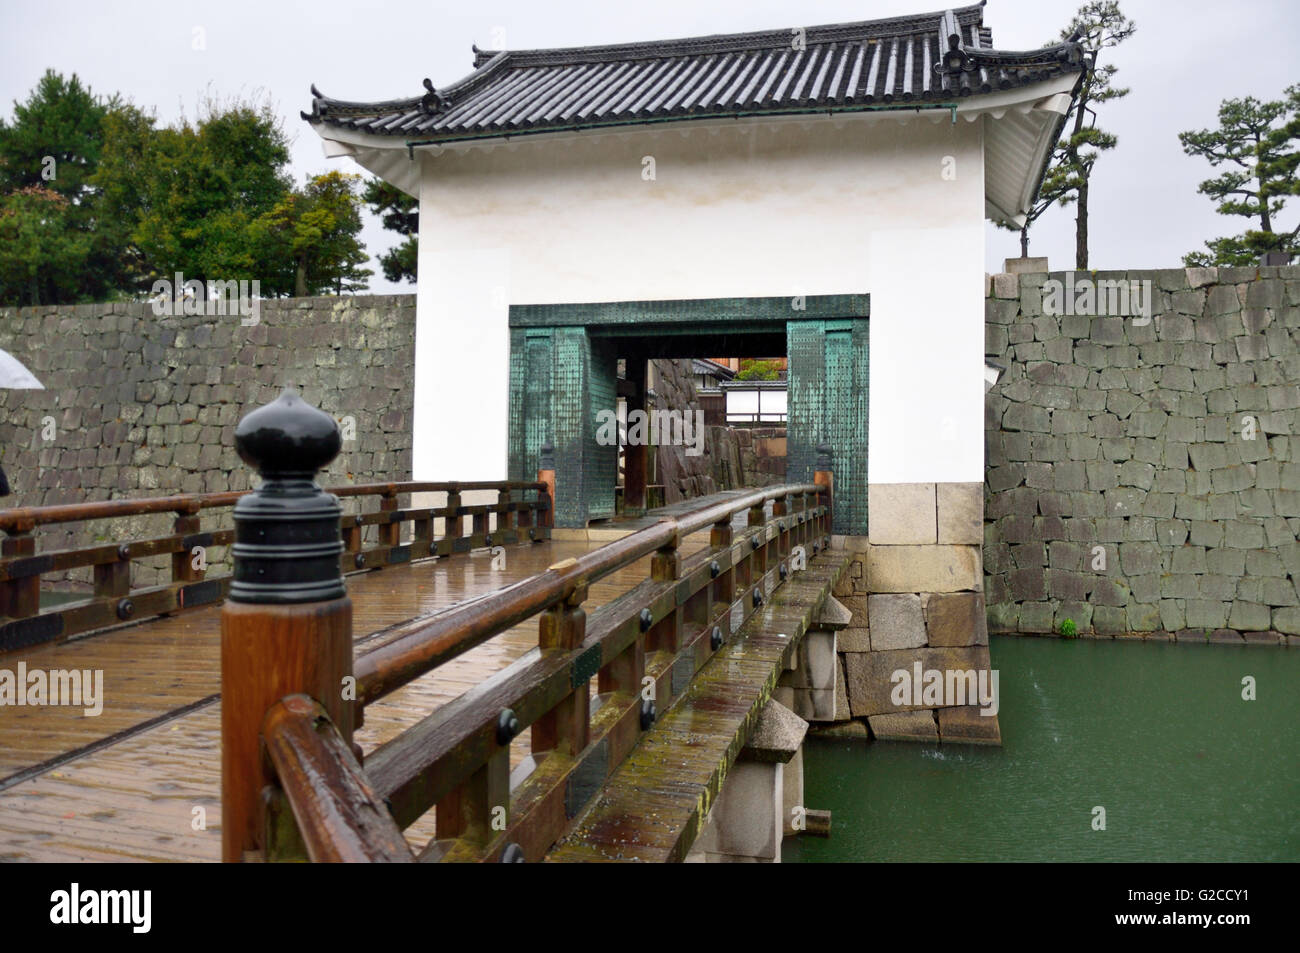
x=931, y=57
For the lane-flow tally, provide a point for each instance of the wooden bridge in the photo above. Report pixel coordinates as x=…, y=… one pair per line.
x=384, y=718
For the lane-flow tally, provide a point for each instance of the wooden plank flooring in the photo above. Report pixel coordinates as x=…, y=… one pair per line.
x=140, y=794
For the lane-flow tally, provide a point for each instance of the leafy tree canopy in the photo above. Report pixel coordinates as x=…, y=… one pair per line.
x=1257, y=144
x=400, y=213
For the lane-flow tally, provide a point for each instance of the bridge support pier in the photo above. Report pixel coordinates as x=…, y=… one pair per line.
x=809, y=686
x=762, y=797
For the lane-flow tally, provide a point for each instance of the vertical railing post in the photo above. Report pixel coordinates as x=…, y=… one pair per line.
x=186, y=524
x=505, y=517
x=566, y=727
x=666, y=566
x=453, y=525
x=546, y=475
x=757, y=555
x=825, y=476
x=724, y=581
x=286, y=627
x=779, y=510
x=20, y=598
x=390, y=533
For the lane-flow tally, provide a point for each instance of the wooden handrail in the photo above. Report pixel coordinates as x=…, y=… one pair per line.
x=118, y=598
x=339, y=816
x=25, y=518
x=426, y=643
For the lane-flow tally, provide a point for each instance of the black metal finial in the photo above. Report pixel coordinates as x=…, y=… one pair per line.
x=287, y=538
x=824, y=456
x=648, y=714
x=513, y=854
x=715, y=638
x=546, y=459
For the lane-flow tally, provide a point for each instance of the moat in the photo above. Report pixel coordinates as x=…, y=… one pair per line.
x=1156, y=734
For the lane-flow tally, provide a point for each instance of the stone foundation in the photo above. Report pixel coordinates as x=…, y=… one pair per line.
x=914, y=591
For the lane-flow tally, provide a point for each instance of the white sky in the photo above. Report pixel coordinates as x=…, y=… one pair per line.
x=1184, y=58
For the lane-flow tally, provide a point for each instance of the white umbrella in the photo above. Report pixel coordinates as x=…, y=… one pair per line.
x=14, y=376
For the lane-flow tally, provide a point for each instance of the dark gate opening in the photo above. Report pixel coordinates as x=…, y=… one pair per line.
x=565, y=383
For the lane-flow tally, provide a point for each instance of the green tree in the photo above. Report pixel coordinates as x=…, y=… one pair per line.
x=1098, y=25
x=756, y=370
x=41, y=252
x=1051, y=192
x=400, y=213
x=54, y=145
x=1257, y=143
x=308, y=243
x=194, y=192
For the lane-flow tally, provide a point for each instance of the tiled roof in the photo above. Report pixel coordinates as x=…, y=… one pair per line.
x=923, y=58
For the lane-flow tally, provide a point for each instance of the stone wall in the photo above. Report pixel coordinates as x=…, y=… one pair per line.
x=140, y=405
x=913, y=593
x=734, y=457
x=1143, y=475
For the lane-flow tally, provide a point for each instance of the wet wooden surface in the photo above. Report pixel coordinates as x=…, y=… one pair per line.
x=654, y=805
x=141, y=781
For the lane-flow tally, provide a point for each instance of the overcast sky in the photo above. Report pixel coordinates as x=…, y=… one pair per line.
x=1146, y=212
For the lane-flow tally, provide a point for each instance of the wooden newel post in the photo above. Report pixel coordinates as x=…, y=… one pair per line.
x=825, y=476
x=546, y=474
x=286, y=627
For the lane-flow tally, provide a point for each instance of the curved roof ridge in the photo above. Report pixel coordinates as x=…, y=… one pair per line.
x=776, y=38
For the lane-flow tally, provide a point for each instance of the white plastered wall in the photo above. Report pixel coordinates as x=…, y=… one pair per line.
x=738, y=209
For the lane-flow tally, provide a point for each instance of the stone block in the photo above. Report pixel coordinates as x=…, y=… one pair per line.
x=1172, y=615
x=968, y=725
x=1143, y=618
x=1287, y=620
x=1006, y=286
x=956, y=619
x=842, y=712
x=960, y=509
x=924, y=568
x=901, y=513
x=1206, y=613
x=1245, y=616
x=873, y=677
x=896, y=622
x=1035, y=617
x=746, y=821
x=904, y=726
x=1109, y=620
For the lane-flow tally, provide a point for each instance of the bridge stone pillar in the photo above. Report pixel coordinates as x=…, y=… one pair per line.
x=752, y=812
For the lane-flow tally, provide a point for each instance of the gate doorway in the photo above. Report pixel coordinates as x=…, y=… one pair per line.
x=564, y=373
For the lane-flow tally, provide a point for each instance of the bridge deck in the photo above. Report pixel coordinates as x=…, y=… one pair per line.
x=125, y=785
x=654, y=805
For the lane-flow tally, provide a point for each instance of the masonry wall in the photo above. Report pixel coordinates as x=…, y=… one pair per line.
x=913, y=589
x=733, y=457
x=141, y=405
x=1143, y=479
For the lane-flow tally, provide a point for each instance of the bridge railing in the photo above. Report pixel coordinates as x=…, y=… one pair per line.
x=521, y=511
x=293, y=781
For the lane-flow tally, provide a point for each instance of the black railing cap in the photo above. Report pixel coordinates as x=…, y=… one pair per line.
x=288, y=438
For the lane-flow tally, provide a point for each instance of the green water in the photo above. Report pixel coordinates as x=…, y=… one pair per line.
x=1157, y=734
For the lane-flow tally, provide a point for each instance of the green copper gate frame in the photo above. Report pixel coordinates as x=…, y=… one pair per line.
x=563, y=367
